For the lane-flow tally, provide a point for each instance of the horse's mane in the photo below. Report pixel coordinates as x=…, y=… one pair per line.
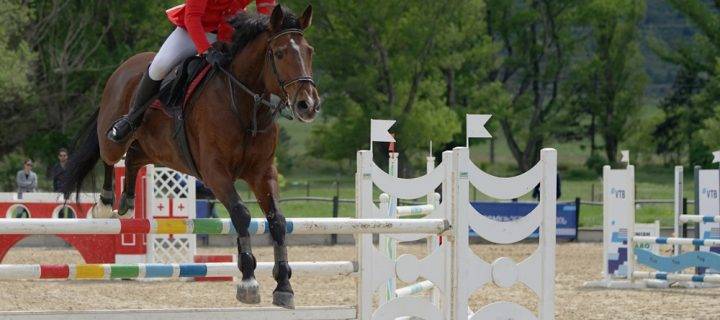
x=249, y=25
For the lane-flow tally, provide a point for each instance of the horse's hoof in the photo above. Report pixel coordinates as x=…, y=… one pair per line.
x=248, y=291
x=284, y=299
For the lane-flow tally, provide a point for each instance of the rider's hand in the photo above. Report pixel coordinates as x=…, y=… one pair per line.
x=216, y=57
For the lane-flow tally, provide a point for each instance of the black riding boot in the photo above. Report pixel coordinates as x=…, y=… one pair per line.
x=145, y=92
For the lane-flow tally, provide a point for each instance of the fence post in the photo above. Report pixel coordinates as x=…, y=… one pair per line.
x=337, y=187
x=592, y=192
x=577, y=218
x=684, y=225
x=307, y=190
x=335, y=211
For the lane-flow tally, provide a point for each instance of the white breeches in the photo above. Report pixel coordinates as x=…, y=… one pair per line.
x=177, y=47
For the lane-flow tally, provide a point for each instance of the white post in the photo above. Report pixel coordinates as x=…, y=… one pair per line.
x=607, y=232
x=433, y=242
x=363, y=242
x=149, y=207
x=449, y=197
x=678, y=206
x=548, y=198
x=387, y=244
x=459, y=192
x=631, y=226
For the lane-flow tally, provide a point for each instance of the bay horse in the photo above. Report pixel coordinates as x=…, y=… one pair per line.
x=232, y=133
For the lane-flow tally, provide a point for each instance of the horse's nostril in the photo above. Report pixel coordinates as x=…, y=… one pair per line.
x=303, y=105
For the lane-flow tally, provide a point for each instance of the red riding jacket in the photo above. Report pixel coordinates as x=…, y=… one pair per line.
x=201, y=16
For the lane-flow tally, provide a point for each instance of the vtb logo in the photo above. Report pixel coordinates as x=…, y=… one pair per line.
x=617, y=193
x=710, y=193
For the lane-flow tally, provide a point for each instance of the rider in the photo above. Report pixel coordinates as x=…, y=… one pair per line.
x=199, y=23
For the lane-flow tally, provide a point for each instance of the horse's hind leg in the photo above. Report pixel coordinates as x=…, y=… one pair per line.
x=104, y=209
x=265, y=188
x=134, y=160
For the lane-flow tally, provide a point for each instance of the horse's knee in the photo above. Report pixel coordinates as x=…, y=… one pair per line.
x=240, y=218
x=277, y=225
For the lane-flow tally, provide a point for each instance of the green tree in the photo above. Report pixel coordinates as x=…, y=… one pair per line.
x=536, y=45
x=415, y=61
x=608, y=83
x=692, y=99
x=76, y=44
x=16, y=87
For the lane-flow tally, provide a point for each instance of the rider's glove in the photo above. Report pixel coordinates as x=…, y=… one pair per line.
x=216, y=57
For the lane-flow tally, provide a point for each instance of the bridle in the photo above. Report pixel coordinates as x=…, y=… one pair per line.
x=303, y=78
x=259, y=98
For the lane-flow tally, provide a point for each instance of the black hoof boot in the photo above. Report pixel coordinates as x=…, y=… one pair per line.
x=120, y=130
x=248, y=290
x=107, y=197
x=127, y=204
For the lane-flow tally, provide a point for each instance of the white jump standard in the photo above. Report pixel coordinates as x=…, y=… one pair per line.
x=620, y=254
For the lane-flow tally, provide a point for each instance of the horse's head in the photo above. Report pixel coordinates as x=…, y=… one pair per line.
x=288, y=67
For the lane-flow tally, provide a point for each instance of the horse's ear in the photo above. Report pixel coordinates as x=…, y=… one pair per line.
x=277, y=18
x=306, y=19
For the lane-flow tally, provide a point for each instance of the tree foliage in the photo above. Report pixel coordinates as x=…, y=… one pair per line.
x=415, y=61
x=536, y=43
x=690, y=110
x=68, y=49
x=608, y=82
x=16, y=59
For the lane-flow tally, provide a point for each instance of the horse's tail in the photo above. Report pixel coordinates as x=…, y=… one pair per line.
x=85, y=154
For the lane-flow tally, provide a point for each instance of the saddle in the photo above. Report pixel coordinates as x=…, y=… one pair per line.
x=176, y=91
x=180, y=85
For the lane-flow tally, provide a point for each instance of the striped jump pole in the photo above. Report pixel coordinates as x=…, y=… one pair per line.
x=677, y=241
x=412, y=289
x=692, y=218
x=684, y=277
x=416, y=209
x=220, y=226
x=156, y=270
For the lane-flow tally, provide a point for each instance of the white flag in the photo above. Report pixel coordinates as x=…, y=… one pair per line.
x=716, y=156
x=625, y=156
x=379, y=130
x=475, y=125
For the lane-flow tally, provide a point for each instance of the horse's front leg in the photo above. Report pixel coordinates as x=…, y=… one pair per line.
x=248, y=290
x=265, y=188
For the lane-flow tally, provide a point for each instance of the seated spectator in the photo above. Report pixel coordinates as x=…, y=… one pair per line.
x=26, y=179
x=56, y=172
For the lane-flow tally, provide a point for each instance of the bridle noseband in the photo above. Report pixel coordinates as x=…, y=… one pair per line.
x=270, y=56
x=259, y=98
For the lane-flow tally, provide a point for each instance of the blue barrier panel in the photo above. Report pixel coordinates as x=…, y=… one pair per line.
x=202, y=209
x=567, y=215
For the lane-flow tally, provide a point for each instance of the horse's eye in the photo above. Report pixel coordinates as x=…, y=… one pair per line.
x=279, y=54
